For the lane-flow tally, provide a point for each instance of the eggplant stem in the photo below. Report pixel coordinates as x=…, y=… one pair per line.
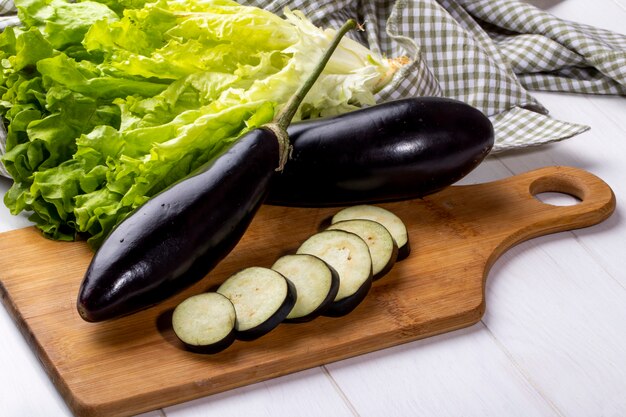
x=282, y=120
x=284, y=145
x=286, y=114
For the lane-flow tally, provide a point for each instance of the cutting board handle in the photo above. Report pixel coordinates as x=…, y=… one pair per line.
x=528, y=217
x=596, y=198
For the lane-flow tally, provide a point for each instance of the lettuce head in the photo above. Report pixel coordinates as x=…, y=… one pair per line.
x=107, y=103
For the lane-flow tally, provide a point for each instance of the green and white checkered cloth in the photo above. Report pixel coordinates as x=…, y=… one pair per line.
x=487, y=53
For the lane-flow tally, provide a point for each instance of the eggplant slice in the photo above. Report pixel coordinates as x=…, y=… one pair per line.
x=205, y=323
x=393, y=223
x=316, y=282
x=262, y=298
x=349, y=255
x=383, y=247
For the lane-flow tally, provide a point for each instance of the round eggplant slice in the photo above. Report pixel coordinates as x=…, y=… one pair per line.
x=383, y=216
x=205, y=323
x=348, y=254
x=382, y=246
x=316, y=283
x=262, y=298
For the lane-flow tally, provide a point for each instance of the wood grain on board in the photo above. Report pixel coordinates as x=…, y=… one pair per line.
x=135, y=364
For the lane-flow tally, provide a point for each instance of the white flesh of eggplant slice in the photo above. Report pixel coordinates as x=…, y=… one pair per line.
x=316, y=284
x=382, y=245
x=393, y=223
x=205, y=323
x=262, y=298
x=349, y=255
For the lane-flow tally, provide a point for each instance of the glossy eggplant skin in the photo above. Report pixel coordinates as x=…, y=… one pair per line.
x=179, y=235
x=397, y=150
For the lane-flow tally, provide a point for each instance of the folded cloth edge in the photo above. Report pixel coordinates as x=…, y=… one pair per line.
x=519, y=128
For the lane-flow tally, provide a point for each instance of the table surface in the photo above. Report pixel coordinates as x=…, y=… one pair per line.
x=551, y=343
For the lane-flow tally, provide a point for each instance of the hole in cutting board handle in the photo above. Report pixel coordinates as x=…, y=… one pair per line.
x=557, y=199
x=558, y=190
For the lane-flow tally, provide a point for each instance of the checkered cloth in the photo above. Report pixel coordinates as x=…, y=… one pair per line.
x=488, y=53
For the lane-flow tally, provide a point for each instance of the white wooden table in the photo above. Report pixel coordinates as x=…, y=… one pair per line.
x=552, y=341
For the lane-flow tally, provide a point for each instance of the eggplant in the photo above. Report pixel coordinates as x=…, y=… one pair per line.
x=205, y=323
x=392, y=151
x=316, y=282
x=178, y=236
x=383, y=248
x=349, y=255
x=389, y=220
x=262, y=298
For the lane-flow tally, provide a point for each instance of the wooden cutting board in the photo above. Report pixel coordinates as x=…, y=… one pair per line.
x=136, y=364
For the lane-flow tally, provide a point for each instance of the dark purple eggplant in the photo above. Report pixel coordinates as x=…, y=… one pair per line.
x=177, y=237
x=396, y=150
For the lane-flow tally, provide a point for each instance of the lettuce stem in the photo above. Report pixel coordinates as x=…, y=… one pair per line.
x=283, y=118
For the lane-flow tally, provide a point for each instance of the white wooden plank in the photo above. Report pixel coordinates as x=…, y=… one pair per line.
x=304, y=394
x=621, y=4
x=463, y=373
x=605, y=14
x=25, y=389
x=615, y=110
x=8, y=221
x=23, y=378
x=21, y=374
x=561, y=318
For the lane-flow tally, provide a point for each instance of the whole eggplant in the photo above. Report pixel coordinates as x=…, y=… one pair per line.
x=179, y=235
x=175, y=238
x=395, y=150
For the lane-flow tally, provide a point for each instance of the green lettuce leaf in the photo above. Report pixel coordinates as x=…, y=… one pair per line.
x=107, y=103
x=63, y=23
